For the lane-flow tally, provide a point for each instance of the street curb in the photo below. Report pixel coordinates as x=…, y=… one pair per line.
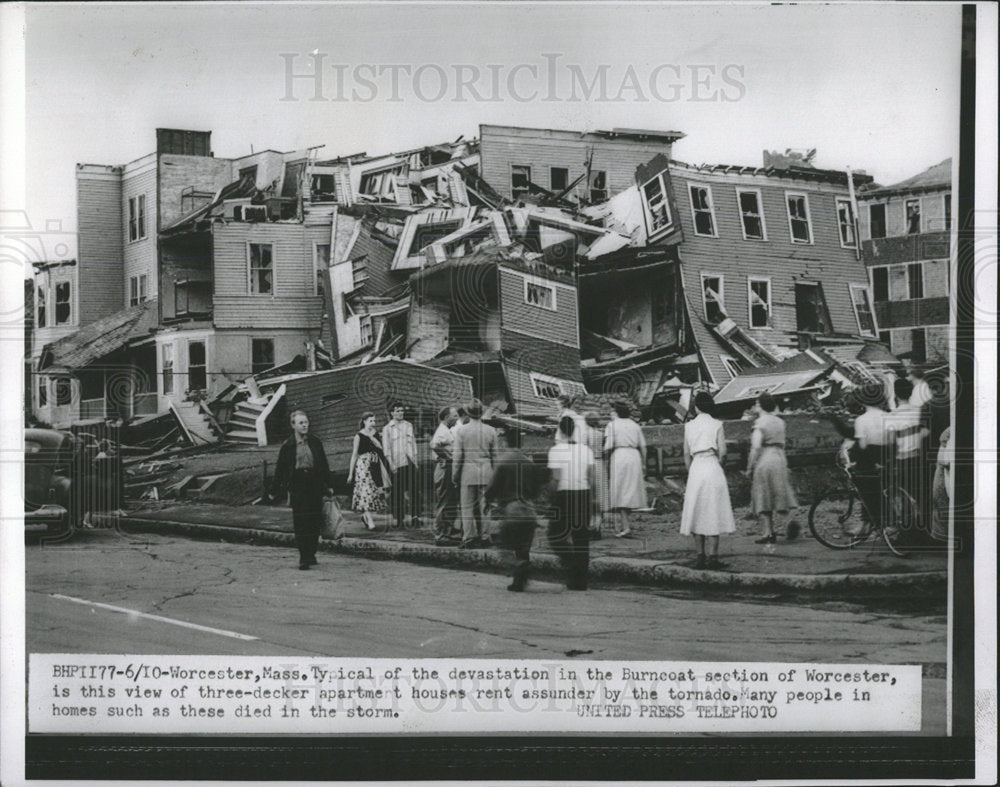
x=636, y=571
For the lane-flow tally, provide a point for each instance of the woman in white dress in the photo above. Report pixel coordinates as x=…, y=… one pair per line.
x=625, y=449
x=707, y=511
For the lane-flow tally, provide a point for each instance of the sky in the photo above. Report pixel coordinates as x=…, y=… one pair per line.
x=870, y=86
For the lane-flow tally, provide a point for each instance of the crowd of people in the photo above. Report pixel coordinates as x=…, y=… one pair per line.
x=486, y=488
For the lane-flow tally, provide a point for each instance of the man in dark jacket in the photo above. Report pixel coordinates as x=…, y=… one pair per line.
x=516, y=482
x=303, y=473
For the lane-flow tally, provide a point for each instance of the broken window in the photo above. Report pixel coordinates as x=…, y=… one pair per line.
x=133, y=291
x=321, y=264
x=290, y=185
x=880, y=284
x=197, y=367
x=751, y=215
x=845, y=218
x=598, y=185
x=324, y=188
x=520, y=179
x=876, y=220
x=863, y=312
x=913, y=217
x=760, y=302
x=359, y=271
x=43, y=391
x=712, y=298
x=546, y=387
x=947, y=212
x=64, y=391
x=733, y=366
x=142, y=288
x=261, y=355
x=811, y=314
x=558, y=179
x=261, y=269
x=539, y=294
x=40, y=311
x=249, y=173
x=915, y=275
x=167, y=368
x=63, y=303
x=704, y=213
x=426, y=234
x=367, y=333
x=798, y=218
x=381, y=183
x=654, y=198
x=137, y=217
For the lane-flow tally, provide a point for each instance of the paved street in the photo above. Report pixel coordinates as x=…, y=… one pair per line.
x=350, y=606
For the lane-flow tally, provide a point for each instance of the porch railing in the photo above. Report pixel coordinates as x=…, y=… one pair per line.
x=91, y=408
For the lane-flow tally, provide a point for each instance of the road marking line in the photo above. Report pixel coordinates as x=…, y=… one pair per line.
x=160, y=618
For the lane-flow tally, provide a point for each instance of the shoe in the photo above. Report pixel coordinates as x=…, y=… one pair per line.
x=303, y=566
x=793, y=530
x=766, y=539
x=312, y=562
x=700, y=563
x=470, y=544
x=415, y=522
x=714, y=564
x=516, y=587
x=444, y=541
x=485, y=542
x=624, y=533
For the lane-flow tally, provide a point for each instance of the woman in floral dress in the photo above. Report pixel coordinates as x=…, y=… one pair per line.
x=369, y=471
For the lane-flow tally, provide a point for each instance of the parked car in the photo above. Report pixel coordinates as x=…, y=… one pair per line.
x=51, y=462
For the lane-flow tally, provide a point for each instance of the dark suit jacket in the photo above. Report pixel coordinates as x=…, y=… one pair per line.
x=283, y=472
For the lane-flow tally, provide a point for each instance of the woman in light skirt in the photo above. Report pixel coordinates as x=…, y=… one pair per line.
x=771, y=490
x=707, y=511
x=625, y=448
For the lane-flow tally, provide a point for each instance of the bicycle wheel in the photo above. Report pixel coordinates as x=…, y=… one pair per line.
x=836, y=521
x=901, y=522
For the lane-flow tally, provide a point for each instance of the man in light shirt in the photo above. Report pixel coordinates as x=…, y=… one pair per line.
x=472, y=471
x=400, y=448
x=572, y=466
x=910, y=433
x=445, y=491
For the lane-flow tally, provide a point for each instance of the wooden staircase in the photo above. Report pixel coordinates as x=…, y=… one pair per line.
x=197, y=423
x=242, y=424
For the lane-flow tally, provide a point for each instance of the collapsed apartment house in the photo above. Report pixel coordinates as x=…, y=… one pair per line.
x=532, y=262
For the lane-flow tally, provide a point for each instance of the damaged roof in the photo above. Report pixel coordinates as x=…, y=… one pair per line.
x=101, y=338
x=932, y=178
x=244, y=187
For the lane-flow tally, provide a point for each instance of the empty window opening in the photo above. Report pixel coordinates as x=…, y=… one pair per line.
x=261, y=269
x=798, y=218
x=811, y=314
x=701, y=204
x=750, y=214
x=876, y=220
x=261, y=355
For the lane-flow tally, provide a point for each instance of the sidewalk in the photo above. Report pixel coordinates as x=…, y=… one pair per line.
x=655, y=555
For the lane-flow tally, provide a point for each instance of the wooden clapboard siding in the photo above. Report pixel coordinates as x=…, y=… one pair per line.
x=140, y=256
x=100, y=282
x=526, y=354
x=336, y=399
x=378, y=261
x=784, y=262
x=541, y=149
x=177, y=173
x=560, y=326
x=906, y=248
x=293, y=303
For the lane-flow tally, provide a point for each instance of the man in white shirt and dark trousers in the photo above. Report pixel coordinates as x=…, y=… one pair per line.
x=910, y=433
x=445, y=491
x=400, y=448
x=572, y=466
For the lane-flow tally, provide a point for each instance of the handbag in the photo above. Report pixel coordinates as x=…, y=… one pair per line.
x=333, y=520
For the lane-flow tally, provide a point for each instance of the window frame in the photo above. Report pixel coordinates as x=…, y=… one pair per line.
x=167, y=373
x=871, y=282
x=250, y=270
x=517, y=193
x=552, y=186
x=721, y=292
x=946, y=211
x=760, y=215
x=365, y=326
x=566, y=387
x=911, y=280
x=726, y=361
x=203, y=366
x=539, y=282
x=42, y=391
x=133, y=291
x=591, y=189
x=885, y=221
x=41, y=306
x=316, y=263
x=852, y=226
x=770, y=314
x=136, y=218
x=906, y=215
x=653, y=232
x=711, y=210
x=788, y=213
x=254, y=339
x=852, y=288
x=60, y=386
x=143, y=291
x=68, y=302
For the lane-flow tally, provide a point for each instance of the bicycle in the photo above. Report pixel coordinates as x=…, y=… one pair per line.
x=833, y=523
